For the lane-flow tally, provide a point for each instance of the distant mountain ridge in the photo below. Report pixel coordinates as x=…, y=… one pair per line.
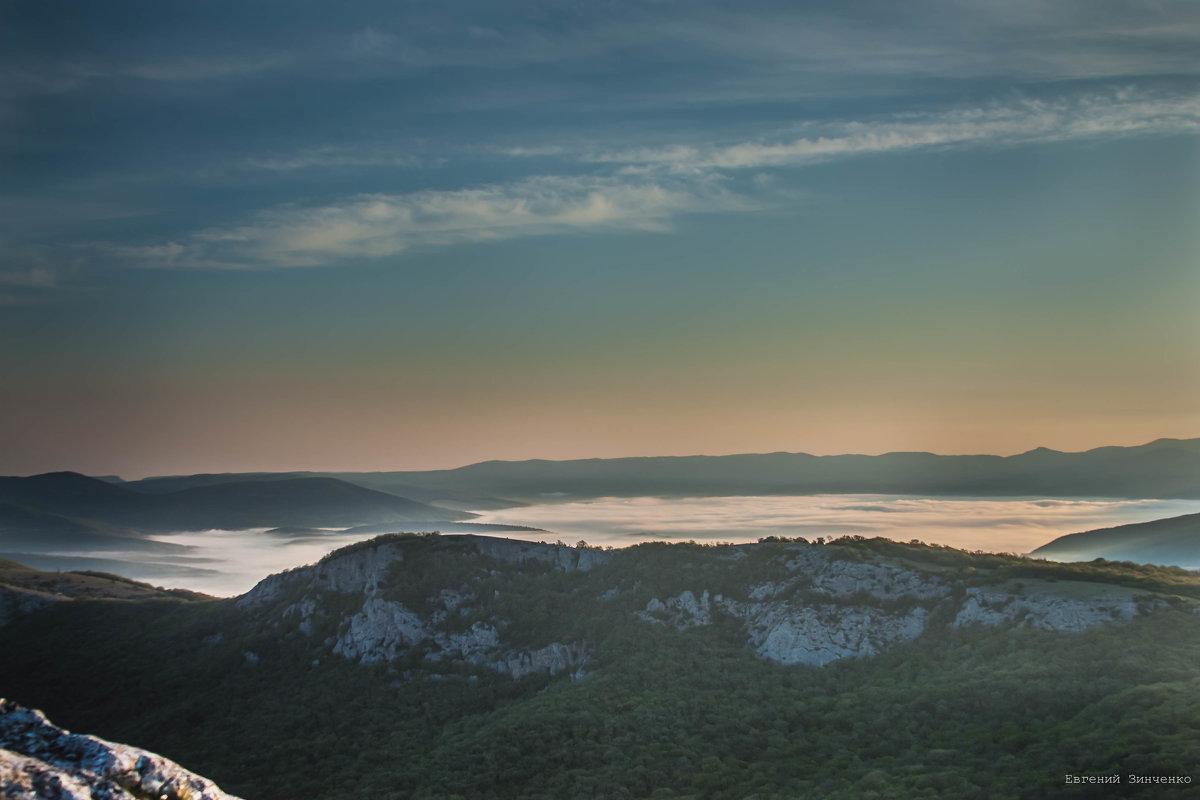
x=1172, y=541
x=386, y=482
x=66, y=510
x=1164, y=468
x=61, y=510
x=1160, y=469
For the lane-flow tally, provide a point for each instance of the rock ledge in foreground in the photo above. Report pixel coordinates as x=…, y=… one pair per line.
x=39, y=761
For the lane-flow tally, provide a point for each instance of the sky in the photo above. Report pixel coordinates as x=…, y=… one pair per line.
x=410, y=235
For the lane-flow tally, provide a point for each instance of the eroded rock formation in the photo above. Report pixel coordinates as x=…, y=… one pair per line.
x=40, y=761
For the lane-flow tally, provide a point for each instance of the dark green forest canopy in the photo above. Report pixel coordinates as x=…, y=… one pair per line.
x=660, y=712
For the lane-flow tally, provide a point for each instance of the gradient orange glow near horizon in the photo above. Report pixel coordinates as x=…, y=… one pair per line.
x=343, y=245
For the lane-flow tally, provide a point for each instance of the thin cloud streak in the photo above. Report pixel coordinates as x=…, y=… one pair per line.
x=34, y=277
x=1057, y=41
x=334, y=158
x=378, y=225
x=1121, y=113
x=647, y=189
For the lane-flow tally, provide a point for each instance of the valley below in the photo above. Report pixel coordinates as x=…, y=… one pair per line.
x=461, y=634
x=229, y=562
x=437, y=666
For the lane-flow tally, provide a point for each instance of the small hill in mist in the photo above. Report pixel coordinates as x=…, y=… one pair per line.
x=66, y=510
x=84, y=584
x=1173, y=541
x=387, y=482
x=69, y=494
x=310, y=502
x=24, y=590
x=30, y=527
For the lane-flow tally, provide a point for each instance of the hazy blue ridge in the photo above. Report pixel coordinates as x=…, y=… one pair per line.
x=67, y=510
x=1175, y=540
x=1164, y=468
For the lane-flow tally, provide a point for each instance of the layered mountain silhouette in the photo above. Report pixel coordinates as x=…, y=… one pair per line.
x=1160, y=469
x=387, y=482
x=1165, y=468
x=24, y=526
x=66, y=510
x=1173, y=541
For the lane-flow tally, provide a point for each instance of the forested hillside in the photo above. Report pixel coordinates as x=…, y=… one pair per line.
x=438, y=666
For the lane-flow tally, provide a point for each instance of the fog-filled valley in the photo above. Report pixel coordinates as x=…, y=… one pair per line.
x=225, y=563
x=220, y=534
x=634, y=400
x=509, y=632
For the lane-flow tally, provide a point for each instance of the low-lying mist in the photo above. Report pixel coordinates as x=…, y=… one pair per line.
x=1008, y=525
x=226, y=563
x=220, y=563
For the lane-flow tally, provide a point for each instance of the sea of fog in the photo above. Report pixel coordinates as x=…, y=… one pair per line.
x=1001, y=525
x=227, y=563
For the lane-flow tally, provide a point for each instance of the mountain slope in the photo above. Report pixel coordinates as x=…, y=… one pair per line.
x=314, y=502
x=443, y=666
x=386, y=482
x=29, y=527
x=82, y=511
x=23, y=589
x=1172, y=541
x=70, y=494
x=797, y=602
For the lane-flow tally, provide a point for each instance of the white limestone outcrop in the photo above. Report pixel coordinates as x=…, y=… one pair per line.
x=39, y=760
x=1045, y=609
x=814, y=605
x=382, y=630
x=830, y=608
x=817, y=635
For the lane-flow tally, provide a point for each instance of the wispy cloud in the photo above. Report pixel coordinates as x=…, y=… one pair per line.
x=378, y=225
x=1068, y=39
x=75, y=75
x=330, y=157
x=205, y=67
x=34, y=277
x=1115, y=114
x=643, y=188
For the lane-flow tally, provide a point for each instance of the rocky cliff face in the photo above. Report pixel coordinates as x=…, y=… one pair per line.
x=39, y=760
x=828, y=608
x=796, y=603
x=383, y=629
